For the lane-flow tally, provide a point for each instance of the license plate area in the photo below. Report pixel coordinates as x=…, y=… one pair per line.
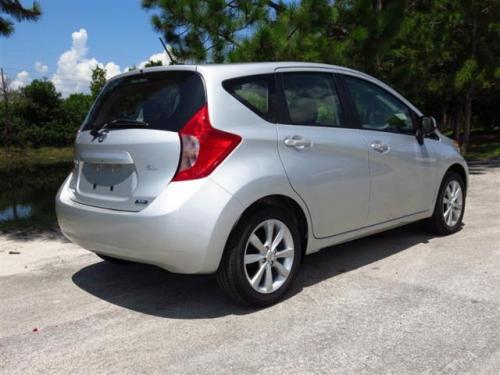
x=108, y=180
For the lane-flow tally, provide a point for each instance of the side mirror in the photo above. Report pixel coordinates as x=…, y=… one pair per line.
x=426, y=126
x=429, y=125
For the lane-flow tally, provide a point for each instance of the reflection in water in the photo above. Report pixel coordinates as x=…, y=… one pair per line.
x=27, y=195
x=16, y=211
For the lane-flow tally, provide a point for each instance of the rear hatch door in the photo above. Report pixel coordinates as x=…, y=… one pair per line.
x=128, y=149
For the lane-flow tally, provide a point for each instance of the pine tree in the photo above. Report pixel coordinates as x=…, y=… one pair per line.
x=208, y=30
x=450, y=47
x=442, y=54
x=14, y=9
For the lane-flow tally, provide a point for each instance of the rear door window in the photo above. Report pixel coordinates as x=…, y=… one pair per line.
x=163, y=100
x=312, y=99
x=257, y=93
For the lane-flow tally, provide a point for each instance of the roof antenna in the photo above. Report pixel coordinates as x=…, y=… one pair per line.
x=172, y=61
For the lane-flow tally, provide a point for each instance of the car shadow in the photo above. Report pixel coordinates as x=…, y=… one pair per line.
x=153, y=291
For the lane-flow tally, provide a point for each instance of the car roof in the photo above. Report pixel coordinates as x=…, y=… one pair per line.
x=233, y=69
x=221, y=72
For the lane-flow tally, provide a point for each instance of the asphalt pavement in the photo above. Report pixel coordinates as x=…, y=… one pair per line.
x=399, y=302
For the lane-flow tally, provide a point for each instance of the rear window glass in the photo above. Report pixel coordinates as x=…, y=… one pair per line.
x=255, y=92
x=164, y=100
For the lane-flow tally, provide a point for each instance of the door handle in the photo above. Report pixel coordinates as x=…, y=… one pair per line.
x=380, y=147
x=297, y=142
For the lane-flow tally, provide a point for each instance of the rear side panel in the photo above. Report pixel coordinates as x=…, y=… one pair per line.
x=254, y=170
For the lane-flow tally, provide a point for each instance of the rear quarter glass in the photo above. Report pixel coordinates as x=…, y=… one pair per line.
x=256, y=92
x=164, y=100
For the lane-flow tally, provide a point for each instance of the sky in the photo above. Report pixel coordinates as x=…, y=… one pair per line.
x=72, y=36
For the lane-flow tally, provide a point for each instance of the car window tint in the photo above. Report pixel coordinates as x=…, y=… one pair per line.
x=164, y=100
x=255, y=92
x=377, y=109
x=312, y=99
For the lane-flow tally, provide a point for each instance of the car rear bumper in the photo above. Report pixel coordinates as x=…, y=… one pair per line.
x=183, y=230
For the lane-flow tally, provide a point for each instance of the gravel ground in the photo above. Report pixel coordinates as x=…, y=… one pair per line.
x=399, y=302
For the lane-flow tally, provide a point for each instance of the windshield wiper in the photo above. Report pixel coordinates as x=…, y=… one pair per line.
x=117, y=122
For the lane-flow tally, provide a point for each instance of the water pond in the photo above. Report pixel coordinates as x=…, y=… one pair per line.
x=27, y=195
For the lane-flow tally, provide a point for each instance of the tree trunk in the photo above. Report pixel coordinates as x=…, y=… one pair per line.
x=444, y=120
x=378, y=8
x=455, y=124
x=467, y=119
x=468, y=95
x=6, y=129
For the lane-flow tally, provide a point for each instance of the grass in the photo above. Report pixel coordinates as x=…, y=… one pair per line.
x=42, y=155
x=485, y=145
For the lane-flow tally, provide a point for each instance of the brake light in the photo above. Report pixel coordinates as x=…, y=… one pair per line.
x=203, y=147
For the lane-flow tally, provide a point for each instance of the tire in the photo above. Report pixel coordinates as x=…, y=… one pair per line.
x=438, y=223
x=113, y=260
x=234, y=276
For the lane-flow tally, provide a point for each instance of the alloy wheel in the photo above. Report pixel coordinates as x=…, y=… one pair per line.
x=269, y=256
x=452, y=203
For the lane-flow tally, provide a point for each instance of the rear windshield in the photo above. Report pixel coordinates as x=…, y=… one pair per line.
x=163, y=100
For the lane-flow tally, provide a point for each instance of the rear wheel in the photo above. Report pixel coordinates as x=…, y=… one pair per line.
x=450, y=205
x=262, y=258
x=113, y=260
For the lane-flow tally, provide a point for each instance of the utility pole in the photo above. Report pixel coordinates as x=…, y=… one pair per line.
x=6, y=129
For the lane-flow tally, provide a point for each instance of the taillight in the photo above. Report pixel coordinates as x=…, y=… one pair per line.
x=203, y=147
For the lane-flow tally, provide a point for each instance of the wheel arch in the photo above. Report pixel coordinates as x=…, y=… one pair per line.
x=458, y=168
x=282, y=201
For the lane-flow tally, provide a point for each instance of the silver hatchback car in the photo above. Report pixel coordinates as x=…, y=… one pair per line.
x=242, y=169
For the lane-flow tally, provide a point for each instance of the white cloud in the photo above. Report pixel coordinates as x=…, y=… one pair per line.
x=112, y=70
x=41, y=68
x=160, y=56
x=74, y=68
x=21, y=80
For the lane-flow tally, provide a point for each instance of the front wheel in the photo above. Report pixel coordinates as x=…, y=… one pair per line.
x=450, y=205
x=262, y=258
